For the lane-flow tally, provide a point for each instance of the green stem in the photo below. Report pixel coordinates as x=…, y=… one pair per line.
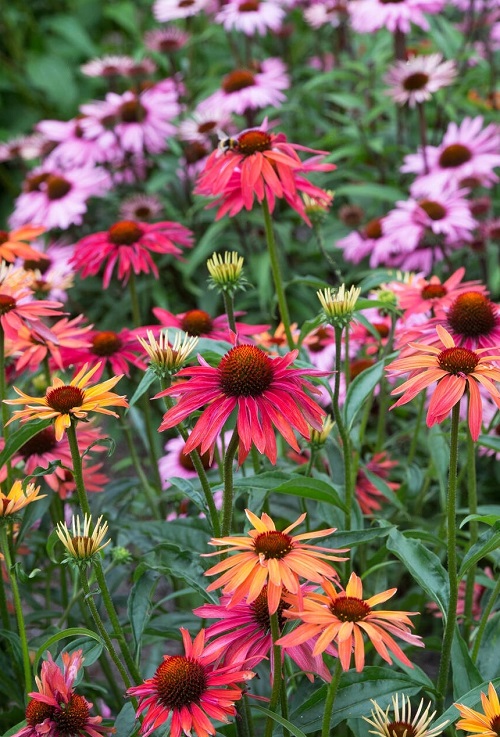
x=3, y=606
x=310, y=462
x=484, y=619
x=473, y=531
x=330, y=700
x=414, y=440
x=89, y=600
x=277, y=674
x=451, y=615
x=284, y=705
x=113, y=618
x=346, y=442
x=229, y=307
x=5, y=408
x=152, y=498
x=4, y=544
x=276, y=271
x=151, y=435
x=77, y=468
x=384, y=398
x=134, y=301
x=228, y=498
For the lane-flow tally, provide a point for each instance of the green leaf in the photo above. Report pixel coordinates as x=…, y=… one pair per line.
x=139, y=603
x=183, y=565
x=205, y=247
x=488, y=662
x=72, y=31
x=353, y=696
x=147, y=380
x=53, y=76
x=20, y=437
x=125, y=721
x=370, y=191
x=288, y=725
x=124, y=14
x=465, y=674
x=70, y=632
x=15, y=729
x=490, y=441
x=472, y=699
x=359, y=391
x=440, y=453
x=487, y=519
x=487, y=543
x=424, y=566
x=310, y=488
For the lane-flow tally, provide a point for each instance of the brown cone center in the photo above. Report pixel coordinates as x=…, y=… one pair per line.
x=238, y=80
x=454, y=155
x=106, y=343
x=350, y=608
x=125, y=233
x=64, y=398
x=416, y=81
x=180, y=681
x=458, y=360
x=273, y=544
x=471, y=315
x=245, y=371
x=251, y=142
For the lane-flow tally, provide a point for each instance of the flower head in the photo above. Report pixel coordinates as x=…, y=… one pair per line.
x=66, y=402
x=483, y=725
x=273, y=558
x=339, y=305
x=403, y=722
x=265, y=391
x=344, y=617
x=129, y=244
x=415, y=80
x=166, y=358
x=421, y=295
x=18, y=498
x=81, y=544
x=190, y=689
x=251, y=16
x=455, y=369
x=262, y=165
x=15, y=244
x=226, y=274
x=200, y=324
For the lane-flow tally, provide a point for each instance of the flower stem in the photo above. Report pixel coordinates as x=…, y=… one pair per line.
x=346, y=442
x=88, y=597
x=134, y=301
x=229, y=308
x=484, y=619
x=473, y=529
x=275, y=268
x=451, y=615
x=416, y=432
x=330, y=700
x=3, y=395
x=113, y=618
x=77, y=468
x=11, y=573
x=277, y=674
x=152, y=499
x=423, y=134
x=228, y=498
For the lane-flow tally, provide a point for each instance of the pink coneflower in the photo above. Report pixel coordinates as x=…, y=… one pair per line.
x=72, y=149
x=18, y=307
x=200, y=323
x=112, y=350
x=202, y=126
x=332, y=13
x=129, y=244
x=136, y=123
x=251, y=16
x=419, y=295
x=251, y=88
x=176, y=463
x=369, y=497
x=467, y=153
x=51, y=274
x=415, y=80
x=244, y=631
x=24, y=147
x=456, y=370
x=445, y=212
x=262, y=165
x=58, y=199
x=55, y=709
x=141, y=207
x=265, y=392
x=191, y=689
x=34, y=347
x=118, y=66
x=395, y=15
x=166, y=40
x=359, y=244
x=167, y=10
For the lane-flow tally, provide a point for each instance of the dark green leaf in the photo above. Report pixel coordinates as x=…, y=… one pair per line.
x=125, y=721
x=70, y=632
x=147, y=380
x=488, y=662
x=139, y=603
x=487, y=543
x=360, y=389
x=465, y=674
x=288, y=725
x=21, y=436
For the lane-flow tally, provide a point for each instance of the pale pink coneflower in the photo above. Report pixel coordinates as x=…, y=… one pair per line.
x=166, y=40
x=468, y=155
x=52, y=275
x=251, y=16
x=396, y=15
x=330, y=13
x=72, y=148
x=445, y=212
x=369, y=241
x=415, y=80
x=58, y=199
x=129, y=245
x=203, y=125
x=175, y=463
x=118, y=66
x=141, y=207
x=200, y=324
x=167, y=10
x=27, y=148
x=250, y=89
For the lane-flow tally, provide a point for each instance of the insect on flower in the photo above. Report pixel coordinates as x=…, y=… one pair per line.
x=226, y=143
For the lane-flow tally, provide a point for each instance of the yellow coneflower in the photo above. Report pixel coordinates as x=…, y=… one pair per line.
x=166, y=358
x=17, y=498
x=339, y=305
x=81, y=544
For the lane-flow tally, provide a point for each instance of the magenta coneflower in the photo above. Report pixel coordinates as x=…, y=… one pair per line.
x=415, y=80
x=18, y=306
x=251, y=16
x=166, y=40
x=265, y=391
x=244, y=631
x=262, y=165
x=57, y=199
x=444, y=212
x=166, y=10
x=370, y=241
x=251, y=88
x=191, y=689
x=200, y=323
x=468, y=154
x=421, y=295
x=112, y=350
x=129, y=245
x=395, y=15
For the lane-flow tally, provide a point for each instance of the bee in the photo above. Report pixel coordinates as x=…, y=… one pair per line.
x=226, y=143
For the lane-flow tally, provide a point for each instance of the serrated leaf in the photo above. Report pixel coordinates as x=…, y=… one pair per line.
x=424, y=566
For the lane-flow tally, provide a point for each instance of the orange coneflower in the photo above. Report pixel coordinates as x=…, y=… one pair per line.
x=455, y=369
x=62, y=402
x=17, y=498
x=15, y=244
x=482, y=725
x=344, y=617
x=270, y=557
